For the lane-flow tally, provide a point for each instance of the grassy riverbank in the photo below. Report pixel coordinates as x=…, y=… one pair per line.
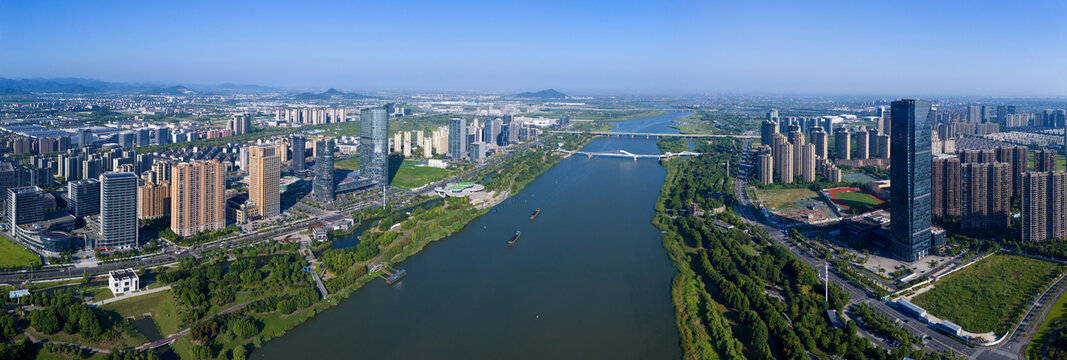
x=738, y=294
x=233, y=301
x=347, y=268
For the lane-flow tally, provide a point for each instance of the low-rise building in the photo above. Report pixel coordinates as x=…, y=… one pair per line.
x=123, y=281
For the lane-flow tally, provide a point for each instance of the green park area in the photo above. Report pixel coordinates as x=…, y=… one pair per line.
x=347, y=164
x=990, y=295
x=14, y=256
x=411, y=174
x=782, y=198
x=410, y=177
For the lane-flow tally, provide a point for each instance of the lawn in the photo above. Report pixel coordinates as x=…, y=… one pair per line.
x=410, y=177
x=347, y=164
x=783, y=198
x=137, y=306
x=13, y=256
x=989, y=295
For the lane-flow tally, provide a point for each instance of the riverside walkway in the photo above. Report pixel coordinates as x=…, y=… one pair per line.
x=311, y=268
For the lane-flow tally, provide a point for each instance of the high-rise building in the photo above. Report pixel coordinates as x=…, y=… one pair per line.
x=843, y=144
x=374, y=145
x=863, y=145
x=986, y=196
x=153, y=200
x=198, y=197
x=884, y=124
x=162, y=136
x=818, y=138
x=240, y=124
x=766, y=168
x=126, y=139
x=144, y=137
x=1044, y=160
x=910, y=175
x=299, y=144
x=24, y=205
x=945, y=177
x=264, y=175
x=118, y=211
x=85, y=137
x=323, y=187
x=772, y=115
x=457, y=139
x=784, y=162
x=974, y=114
x=767, y=130
x=1044, y=201
x=797, y=139
x=162, y=170
x=84, y=198
x=807, y=162
x=1015, y=157
x=978, y=156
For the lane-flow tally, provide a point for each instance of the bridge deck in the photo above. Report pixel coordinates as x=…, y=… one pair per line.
x=634, y=134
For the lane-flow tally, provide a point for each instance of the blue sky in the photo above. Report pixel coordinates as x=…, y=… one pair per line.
x=902, y=48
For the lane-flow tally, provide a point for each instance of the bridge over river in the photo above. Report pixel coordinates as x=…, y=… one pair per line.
x=654, y=135
x=627, y=154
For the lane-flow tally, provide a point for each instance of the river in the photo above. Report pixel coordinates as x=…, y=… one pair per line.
x=589, y=277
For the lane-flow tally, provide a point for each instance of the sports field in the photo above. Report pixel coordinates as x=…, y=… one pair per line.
x=986, y=296
x=850, y=197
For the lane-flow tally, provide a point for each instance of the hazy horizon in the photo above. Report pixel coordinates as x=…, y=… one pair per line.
x=681, y=47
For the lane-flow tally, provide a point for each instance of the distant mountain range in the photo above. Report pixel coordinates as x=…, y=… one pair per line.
x=330, y=94
x=173, y=90
x=81, y=86
x=543, y=94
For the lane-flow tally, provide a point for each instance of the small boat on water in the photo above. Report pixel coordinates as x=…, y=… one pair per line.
x=514, y=238
x=535, y=213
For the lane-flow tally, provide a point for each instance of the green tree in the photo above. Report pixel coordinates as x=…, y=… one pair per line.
x=239, y=353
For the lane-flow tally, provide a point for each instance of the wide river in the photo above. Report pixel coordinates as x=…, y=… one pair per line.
x=589, y=277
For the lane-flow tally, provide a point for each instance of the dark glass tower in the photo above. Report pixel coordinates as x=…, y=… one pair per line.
x=910, y=163
x=118, y=211
x=299, y=153
x=323, y=186
x=374, y=145
x=457, y=138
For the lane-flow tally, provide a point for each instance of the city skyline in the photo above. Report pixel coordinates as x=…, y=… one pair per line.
x=587, y=48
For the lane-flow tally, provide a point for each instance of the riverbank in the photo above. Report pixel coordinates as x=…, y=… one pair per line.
x=347, y=268
x=468, y=296
x=738, y=294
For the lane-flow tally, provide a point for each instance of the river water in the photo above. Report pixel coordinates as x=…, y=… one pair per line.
x=589, y=277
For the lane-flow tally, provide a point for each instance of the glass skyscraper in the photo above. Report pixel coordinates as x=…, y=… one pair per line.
x=118, y=211
x=299, y=153
x=374, y=145
x=323, y=186
x=457, y=139
x=910, y=163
